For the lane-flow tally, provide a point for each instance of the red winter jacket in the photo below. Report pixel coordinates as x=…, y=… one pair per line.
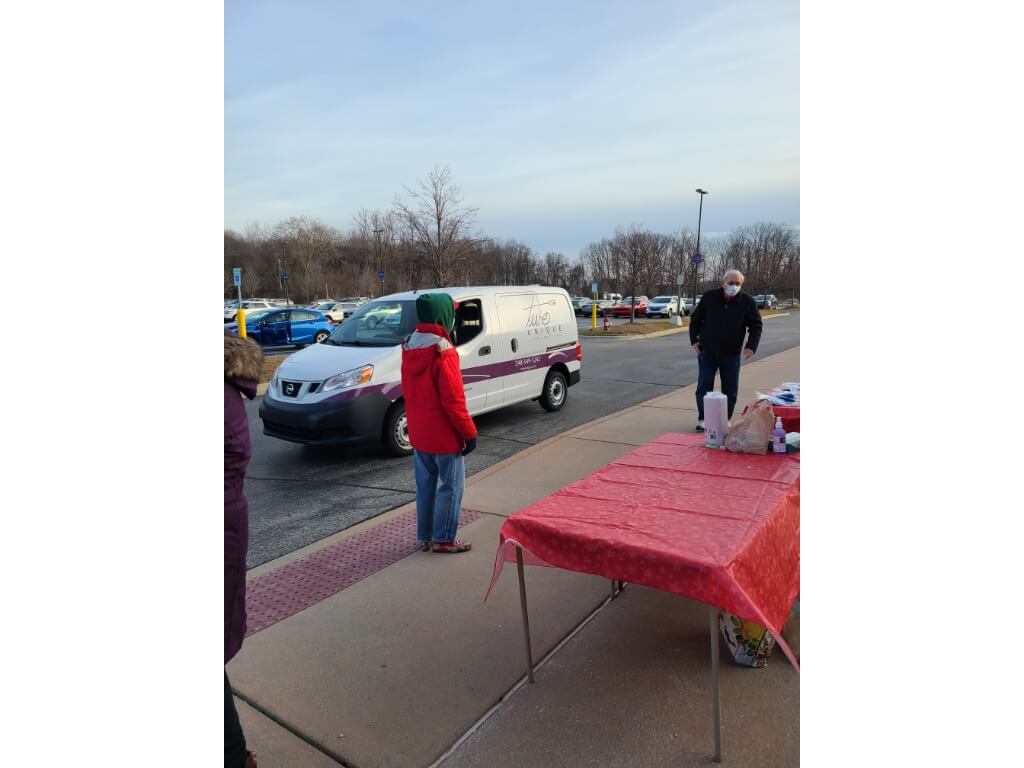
x=435, y=400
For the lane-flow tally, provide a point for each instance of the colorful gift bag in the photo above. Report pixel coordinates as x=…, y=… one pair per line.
x=749, y=643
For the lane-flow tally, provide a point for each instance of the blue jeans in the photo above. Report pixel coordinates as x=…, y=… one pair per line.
x=728, y=368
x=440, y=479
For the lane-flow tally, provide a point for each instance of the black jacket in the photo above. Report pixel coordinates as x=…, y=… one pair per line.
x=720, y=325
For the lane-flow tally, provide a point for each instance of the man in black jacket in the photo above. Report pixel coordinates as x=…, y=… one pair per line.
x=720, y=321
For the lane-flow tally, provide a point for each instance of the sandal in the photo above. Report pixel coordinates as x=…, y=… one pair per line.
x=424, y=546
x=452, y=547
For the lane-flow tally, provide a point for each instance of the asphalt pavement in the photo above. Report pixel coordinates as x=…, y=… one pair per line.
x=298, y=495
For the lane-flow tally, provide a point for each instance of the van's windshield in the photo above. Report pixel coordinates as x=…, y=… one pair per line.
x=377, y=324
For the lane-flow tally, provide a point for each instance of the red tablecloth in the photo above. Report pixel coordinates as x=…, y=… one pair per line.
x=718, y=527
x=790, y=416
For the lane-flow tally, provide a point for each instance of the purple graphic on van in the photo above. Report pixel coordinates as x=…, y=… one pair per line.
x=393, y=390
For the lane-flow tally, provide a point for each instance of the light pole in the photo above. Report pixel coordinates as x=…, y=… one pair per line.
x=696, y=256
x=379, y=261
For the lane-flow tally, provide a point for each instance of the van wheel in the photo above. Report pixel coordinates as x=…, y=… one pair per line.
x=555, y=390
x=396, y=432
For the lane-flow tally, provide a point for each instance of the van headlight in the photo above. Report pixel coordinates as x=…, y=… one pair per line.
x=349, y=378
x=273, y=380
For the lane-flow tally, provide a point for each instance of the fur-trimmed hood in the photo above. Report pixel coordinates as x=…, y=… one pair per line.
x=243, y=361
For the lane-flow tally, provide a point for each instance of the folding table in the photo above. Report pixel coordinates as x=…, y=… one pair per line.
x=717, y=527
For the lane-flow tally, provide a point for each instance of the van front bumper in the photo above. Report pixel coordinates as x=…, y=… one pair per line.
x=336, y=422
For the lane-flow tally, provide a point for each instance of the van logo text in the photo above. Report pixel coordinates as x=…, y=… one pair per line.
x=538, y=321
x=538, y=314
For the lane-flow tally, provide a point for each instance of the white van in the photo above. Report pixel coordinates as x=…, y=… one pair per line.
x=515, y=344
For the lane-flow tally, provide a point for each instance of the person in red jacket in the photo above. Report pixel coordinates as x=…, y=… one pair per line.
x=440, y=428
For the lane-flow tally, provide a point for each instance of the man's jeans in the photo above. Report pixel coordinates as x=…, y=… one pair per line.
x=440, y=478
x=728, y=368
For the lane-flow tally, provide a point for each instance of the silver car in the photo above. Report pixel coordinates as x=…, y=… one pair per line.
x=662, y=306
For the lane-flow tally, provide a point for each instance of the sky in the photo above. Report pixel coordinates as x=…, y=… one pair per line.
x=558, y=120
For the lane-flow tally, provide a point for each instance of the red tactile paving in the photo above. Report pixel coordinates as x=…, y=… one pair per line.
x=299, y=584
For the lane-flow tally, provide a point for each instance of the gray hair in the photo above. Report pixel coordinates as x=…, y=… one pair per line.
x=734, y=272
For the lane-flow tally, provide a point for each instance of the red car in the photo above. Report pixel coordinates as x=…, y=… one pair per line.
x=625, y=307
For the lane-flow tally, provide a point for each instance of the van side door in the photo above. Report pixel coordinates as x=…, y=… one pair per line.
x=474, y=342
x=530, y=323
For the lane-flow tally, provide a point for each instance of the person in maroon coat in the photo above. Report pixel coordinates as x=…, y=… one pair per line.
x=440, y=428
x=242, y=363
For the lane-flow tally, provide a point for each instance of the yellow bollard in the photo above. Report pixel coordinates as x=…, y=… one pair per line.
x=593, y=320
x=240, y=319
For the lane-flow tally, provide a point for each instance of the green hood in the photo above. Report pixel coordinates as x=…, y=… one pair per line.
x=436, y=308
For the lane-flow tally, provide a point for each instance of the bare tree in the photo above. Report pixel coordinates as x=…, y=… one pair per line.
x=789, y=280
x=684, y=244
x=761, y=252
x=632, y=247
x=306, y=245
x=603, y=264
x=577, y=279
x=776, y=244
x=657, y=262
x=556, y=269
x=378, y=232
x=438, y=226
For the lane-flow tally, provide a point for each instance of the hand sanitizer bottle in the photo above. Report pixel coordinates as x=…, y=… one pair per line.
x=779, y=437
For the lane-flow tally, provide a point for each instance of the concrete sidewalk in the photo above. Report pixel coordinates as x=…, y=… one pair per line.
x=399, y=667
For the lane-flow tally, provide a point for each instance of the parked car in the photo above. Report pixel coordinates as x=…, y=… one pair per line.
x=662, y=306
x=766, y=302
x=286, y=327
x=231, y=308
x=579, y=302
x=321, y=306
x=625, y=307
x=604, y=307
x=514, y=344
x=341, y=311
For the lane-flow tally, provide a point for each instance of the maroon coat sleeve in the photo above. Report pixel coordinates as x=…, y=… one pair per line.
x=453, y=395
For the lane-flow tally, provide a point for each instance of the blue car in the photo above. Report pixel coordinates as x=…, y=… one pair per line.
x=286, y=327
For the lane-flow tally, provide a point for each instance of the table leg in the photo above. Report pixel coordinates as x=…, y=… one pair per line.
x=716, y=706
x=526, y=617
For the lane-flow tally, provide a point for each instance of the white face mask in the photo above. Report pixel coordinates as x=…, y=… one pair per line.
x=732, y=290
